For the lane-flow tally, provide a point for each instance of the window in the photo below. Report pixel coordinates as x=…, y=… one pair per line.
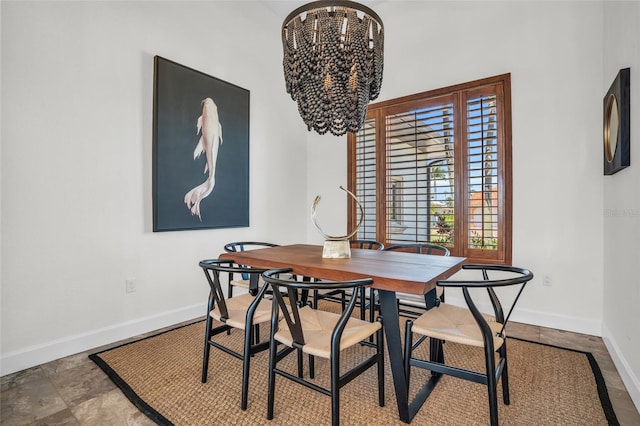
x=436, y=167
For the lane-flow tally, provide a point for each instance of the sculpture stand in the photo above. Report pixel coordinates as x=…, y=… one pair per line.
x=336, y=249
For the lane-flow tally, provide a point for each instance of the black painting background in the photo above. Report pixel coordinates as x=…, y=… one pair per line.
x=178, y=93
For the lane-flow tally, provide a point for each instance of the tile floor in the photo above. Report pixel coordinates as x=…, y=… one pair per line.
x=74, y=391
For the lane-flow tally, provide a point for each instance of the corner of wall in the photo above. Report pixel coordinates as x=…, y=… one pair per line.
x=630, y=380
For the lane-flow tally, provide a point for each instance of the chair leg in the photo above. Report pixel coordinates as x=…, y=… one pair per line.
x=372, y=309
x=230, y=292
x=246, y=361
x=335, y=389
x=300, y=363
x=505, y=374
x=380, y=351
x=372, y=305
x=436, y=354
x=436, y=348
x=491, y=385
x=408, y=345
x=312, y=367
x=271, y=385
x=256, y=334
x=207, y=350
x=304, y=297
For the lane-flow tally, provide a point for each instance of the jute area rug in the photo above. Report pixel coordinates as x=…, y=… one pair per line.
x=161, y=376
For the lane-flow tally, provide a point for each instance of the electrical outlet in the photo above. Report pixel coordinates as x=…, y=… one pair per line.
x=546, y=280
x=130, y=285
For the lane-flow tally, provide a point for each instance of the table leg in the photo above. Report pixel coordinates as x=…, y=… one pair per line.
x=389, y=311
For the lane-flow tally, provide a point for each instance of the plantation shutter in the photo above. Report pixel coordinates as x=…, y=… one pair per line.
x=436, y=167
x=484, y=224
x=419, y=175
x=365, y=188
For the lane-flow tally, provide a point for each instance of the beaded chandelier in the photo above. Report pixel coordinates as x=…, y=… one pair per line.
x=333, y=54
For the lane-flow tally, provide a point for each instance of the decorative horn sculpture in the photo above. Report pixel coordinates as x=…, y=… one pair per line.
x=336, y=247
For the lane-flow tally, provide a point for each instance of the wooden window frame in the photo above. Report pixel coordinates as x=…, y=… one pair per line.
x=499, y=85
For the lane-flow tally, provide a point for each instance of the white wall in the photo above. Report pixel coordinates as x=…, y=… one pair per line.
x=77, y=91
x=622, y=204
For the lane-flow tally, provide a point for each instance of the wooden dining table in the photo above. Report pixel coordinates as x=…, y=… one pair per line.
x=391, y=271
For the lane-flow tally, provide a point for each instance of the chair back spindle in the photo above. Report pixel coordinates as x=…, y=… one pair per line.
x=216, y=296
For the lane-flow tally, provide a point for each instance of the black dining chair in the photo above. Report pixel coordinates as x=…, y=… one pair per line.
x=244, y=312
x=412, y=305
x=467, y=326
x=322, y=334
x=241, y=279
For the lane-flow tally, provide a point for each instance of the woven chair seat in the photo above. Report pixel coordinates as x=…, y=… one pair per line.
x=416, y=300
x=455, y=324
x=318, y=326
x=237, y=308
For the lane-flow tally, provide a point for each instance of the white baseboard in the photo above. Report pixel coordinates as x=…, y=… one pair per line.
x=543, y=319
x=630, y=380
x=35, y=355
x=560, y=322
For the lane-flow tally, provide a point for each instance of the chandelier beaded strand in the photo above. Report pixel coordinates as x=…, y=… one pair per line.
x=333, y=60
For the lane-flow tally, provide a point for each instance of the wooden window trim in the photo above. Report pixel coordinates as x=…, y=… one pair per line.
x=458, y=93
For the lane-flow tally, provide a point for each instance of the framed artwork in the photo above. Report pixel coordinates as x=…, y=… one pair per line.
x=200, y=150
x=617, y=127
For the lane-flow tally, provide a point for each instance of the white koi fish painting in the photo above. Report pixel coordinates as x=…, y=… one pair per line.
x=210, y=130
x=183, y=197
